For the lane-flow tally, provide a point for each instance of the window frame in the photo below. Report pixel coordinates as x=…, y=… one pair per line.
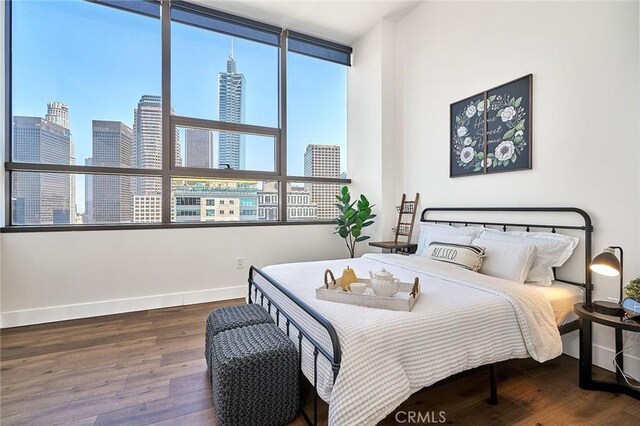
x=170, y=169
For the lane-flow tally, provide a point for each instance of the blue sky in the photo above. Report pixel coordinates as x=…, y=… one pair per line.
x=100, y=61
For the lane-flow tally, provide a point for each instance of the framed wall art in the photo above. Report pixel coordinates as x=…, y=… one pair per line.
x=491, y=131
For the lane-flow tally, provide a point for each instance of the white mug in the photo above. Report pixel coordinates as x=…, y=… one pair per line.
x=358, y=287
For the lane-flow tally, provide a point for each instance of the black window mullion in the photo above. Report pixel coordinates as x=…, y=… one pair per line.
x=224, y=126
x=8, y=126
x=76, y=169
x=222, y=174
x=282, y=155
x=168, y=150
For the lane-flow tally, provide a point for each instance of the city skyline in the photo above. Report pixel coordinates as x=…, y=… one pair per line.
x=122, y=199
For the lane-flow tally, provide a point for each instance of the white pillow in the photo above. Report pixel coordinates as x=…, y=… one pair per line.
x=428, y=229
x=504, y=259
x=553, y=250
x=442, y=237
x=465, y=256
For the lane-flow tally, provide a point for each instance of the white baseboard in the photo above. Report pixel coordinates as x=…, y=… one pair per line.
x=118, y=306
x=602, y=355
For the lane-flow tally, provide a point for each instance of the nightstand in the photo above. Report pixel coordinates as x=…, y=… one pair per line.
x=586, y=318
x=401, y=248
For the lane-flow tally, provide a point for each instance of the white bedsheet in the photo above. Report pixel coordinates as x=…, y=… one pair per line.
x=562, y=297
x=462, y=320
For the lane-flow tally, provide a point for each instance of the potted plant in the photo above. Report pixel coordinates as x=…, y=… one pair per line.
x=631, y=304
x=354, y=217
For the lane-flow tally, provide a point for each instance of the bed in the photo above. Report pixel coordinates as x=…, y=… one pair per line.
x=364, y=362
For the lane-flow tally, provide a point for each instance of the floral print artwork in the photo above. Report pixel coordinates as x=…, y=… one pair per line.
x=507, y=133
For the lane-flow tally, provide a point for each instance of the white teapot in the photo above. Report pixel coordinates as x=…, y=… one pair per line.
x=383, y=283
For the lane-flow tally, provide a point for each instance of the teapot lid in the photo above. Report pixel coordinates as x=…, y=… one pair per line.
x=384, y=273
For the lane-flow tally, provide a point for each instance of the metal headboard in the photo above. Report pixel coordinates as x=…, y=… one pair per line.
x=587, y=228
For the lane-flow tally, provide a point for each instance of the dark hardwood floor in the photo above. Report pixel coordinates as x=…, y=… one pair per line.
x=148, y=368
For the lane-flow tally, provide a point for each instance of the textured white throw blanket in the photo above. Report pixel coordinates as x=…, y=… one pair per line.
x=461, y=321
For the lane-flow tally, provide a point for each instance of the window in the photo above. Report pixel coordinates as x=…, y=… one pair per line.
x=102, y=136
x=232, y=78
x=211, y=149
x=316, y=117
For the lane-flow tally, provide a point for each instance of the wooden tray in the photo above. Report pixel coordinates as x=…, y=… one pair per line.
x=403, y=300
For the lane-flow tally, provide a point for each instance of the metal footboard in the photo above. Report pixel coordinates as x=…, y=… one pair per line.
x=258, y=295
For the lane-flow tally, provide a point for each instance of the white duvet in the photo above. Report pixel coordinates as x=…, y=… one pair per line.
x=462, y=320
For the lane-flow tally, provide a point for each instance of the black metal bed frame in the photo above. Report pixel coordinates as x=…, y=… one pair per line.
x=334, y=357
x=257, y=294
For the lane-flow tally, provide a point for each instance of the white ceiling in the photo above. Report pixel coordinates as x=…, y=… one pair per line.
x=340, y=21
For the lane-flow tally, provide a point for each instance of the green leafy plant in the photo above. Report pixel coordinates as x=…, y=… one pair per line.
x=632, y=290
x=354, y=217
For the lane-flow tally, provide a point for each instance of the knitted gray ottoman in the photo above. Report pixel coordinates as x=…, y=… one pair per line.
x=254, y=372
x=228, y=317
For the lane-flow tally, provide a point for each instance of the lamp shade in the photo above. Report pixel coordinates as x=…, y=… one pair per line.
x=606, y=263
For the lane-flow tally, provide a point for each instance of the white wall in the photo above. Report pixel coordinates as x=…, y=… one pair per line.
x=584, y=59
x=364, y=112
x=374, y=153
x=60, y=275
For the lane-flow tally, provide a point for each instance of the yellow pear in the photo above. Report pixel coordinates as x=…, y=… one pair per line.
x=348, y=277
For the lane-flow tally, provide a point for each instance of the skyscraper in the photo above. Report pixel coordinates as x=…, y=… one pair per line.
x=58, y=113
x=231, y=87
x=198, y=149
x=112, y=195
x=147, y=147
x=323, y=161
x=40, y=198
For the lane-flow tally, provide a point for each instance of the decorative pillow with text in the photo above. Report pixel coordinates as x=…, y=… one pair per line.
x=466, y=256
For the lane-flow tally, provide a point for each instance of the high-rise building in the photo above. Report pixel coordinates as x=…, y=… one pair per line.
x=58, y=113
x=323, y=161
x=205, y=200
x=88, y=194
x=112, y=195
x=198, y=148
x=299, y=205
x=147, y=147
x=40, y=198
x=231, y=88
x=148, y=209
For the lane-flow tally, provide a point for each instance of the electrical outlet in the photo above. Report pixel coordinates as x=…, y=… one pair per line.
x=240, y=262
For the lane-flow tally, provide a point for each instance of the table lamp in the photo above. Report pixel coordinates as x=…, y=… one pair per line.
x=607, y=264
